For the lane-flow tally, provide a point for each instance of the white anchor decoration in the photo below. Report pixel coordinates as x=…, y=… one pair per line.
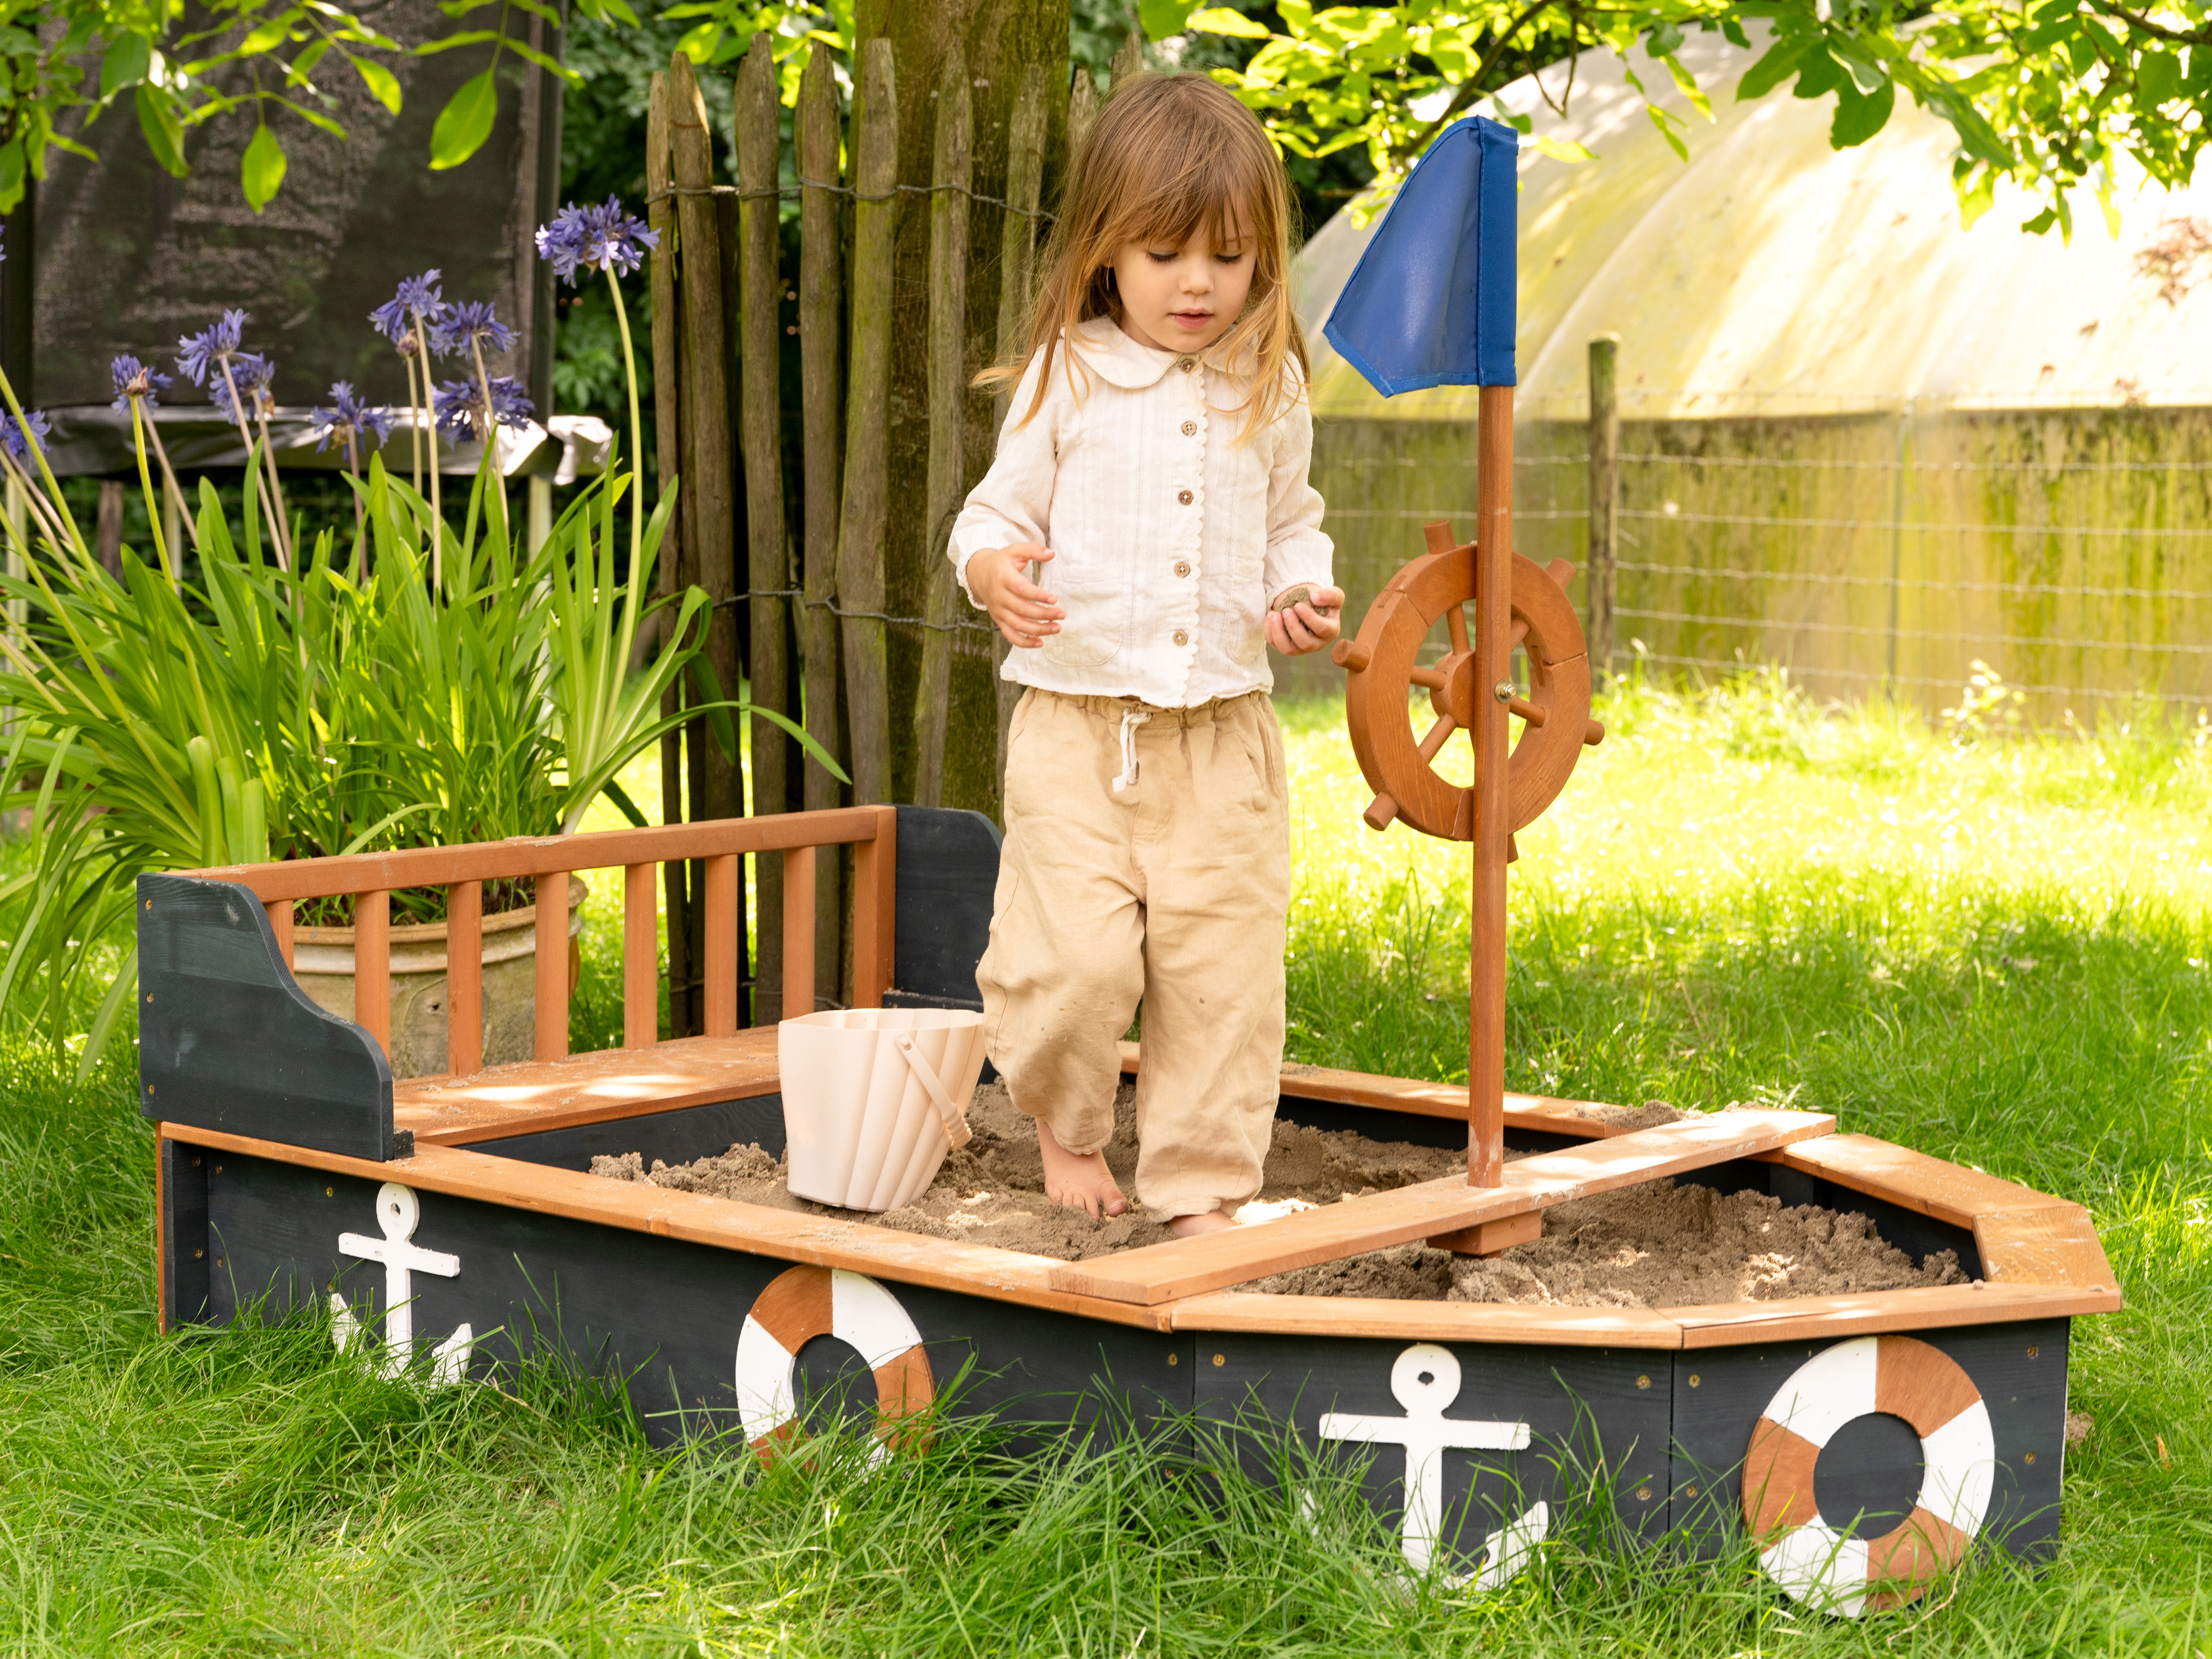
x=1425, y=1380
x=399, y=1213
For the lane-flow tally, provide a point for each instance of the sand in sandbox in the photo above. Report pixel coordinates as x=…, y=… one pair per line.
x=1653, y=1245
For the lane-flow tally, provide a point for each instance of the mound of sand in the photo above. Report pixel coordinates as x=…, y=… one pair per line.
x=1655, y=1245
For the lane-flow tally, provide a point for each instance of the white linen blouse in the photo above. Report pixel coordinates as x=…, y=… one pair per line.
x=1170, y=538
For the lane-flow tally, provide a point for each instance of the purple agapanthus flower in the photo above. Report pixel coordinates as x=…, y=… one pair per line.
x=584, y=239
x=349, y=418
x=465, y=324
x=135, y=380
x=197, y=354
x=460, y=407
x=251, y=371
x=417, y=297
x=18, y=438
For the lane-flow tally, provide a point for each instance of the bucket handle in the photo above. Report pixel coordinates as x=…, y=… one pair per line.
x=952, y=1117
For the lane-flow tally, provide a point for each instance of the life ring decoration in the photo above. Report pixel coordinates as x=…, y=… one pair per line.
x=803, y=1304
x=1383, y=665
x=1799, y=1549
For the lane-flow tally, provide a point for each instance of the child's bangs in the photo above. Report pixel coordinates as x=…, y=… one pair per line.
x=1221, y=194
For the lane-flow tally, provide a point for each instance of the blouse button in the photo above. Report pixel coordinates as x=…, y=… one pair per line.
x=1182, y=567
x=1189, y=427
x=1186, y=365
x=1181, y=638
x=1183, y=495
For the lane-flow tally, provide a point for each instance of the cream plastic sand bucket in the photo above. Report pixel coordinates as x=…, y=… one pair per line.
x=874, y=1098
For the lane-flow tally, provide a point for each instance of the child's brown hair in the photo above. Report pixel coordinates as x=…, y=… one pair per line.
x=1168, y=154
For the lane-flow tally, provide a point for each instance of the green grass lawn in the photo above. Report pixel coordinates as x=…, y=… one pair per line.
x=1995, y=950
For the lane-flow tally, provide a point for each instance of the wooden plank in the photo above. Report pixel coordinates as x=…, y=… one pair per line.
x=798, y=933
x=372, y=967
x=640, y=958
x=820, y=278
x=951, y=168
x=1493, y=663
x=1825, y=1318
x=1212, y=1262
x=544, y=855
x=280, y=922
x=587, y=1088
x=875, y=911
x=464, y=977
x=1489, y=1237
x=724, y=929
x=551, y=968
x=785, y=1234
x=1543, y=1113
x=2055, y=1246
x=1915, y=1181
x=760, y=285
x=868, y=432
x=1424, y=1322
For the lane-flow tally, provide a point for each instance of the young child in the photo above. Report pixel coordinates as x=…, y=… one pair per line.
x=1147, y=513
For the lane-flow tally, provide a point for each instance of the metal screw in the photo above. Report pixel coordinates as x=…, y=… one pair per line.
x=197, y=1254
x=1690, y=1491
x=1175, y=1359
x=1643, y=1382
x=2031, y=1457
x=218, y=1169
x=1695, y=1379
x=1221, y=1359
x=1643, y=1494
x=330, y=1192
x=2033, y=1351
x=196, y=1162
x=1504, y=691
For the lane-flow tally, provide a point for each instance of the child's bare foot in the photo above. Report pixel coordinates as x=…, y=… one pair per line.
x=1081, y=1183
x=1207, y=1221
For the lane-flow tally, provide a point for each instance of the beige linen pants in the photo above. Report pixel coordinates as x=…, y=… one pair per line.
x=1174, y=887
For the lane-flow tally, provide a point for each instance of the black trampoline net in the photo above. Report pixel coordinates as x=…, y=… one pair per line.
x=127, y=259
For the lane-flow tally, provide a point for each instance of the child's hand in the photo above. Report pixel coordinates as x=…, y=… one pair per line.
x=1308, y=625
x=1025, y=613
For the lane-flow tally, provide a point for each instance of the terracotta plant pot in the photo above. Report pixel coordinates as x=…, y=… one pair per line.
x=322, y=964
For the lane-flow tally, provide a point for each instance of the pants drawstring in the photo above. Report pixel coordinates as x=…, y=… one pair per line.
x=1130, y=722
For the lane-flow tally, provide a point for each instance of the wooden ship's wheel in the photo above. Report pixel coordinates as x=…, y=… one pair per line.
x=1385, y=663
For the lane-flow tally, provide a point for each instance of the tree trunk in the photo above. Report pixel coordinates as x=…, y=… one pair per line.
x=999, y=39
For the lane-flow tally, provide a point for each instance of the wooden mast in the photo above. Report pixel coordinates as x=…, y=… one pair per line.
x=1493, y=652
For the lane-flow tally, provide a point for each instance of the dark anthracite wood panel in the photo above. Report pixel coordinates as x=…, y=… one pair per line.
x=661, y=1313
x=1414, y=1128
x=1597, y=1422
x=2021, y=1370
x=1918, y=1235
x=678, y=1137
x=948, y=874
x=226, y=1041
x=186, y=1256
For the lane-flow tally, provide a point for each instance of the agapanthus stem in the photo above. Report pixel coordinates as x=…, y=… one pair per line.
x=276, y=489
x=415, y=418
x=360, y=517
x=73, y=539
x=169, y=478
x=636, y=428
x=490, y=433
x=245, y=436
x=430, y=436
x=146, y=483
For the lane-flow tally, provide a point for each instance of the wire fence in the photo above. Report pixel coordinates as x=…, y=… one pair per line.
x=2040, y=550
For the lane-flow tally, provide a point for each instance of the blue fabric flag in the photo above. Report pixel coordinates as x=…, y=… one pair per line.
x=1431, y=301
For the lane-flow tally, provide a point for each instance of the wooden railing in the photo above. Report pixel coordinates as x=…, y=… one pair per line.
x=371, y=878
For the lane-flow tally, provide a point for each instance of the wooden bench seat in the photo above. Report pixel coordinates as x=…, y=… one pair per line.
x=594, y=1088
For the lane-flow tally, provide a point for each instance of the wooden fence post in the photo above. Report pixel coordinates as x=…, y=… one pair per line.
x=675, y=547
x=951, y=172
x=1082, y=112
x=1604, y=498
x=760, y=288
x=860, y=521
x=718, y=789
x=1016, y=254
x=820, y=274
